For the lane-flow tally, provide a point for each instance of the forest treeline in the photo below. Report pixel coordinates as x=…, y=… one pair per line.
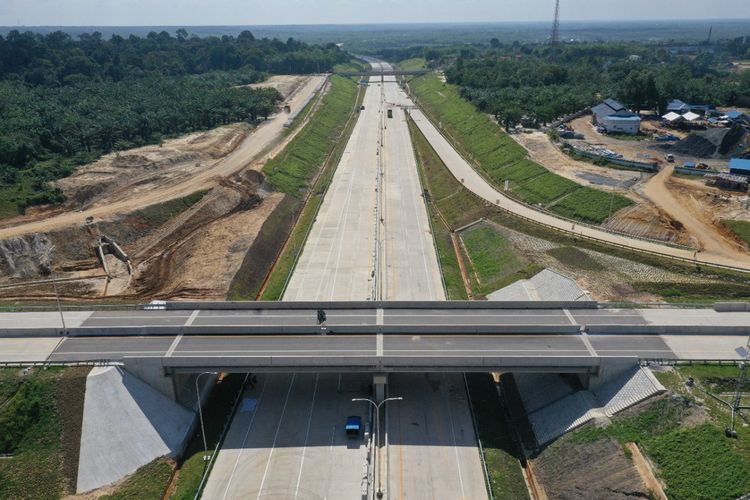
x=65, y=102
x=541, y=83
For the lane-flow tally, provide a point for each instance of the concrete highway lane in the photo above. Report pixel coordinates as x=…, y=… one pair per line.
x=337, y=262
x=432, y=448
x=410, y=265
x=288, y=440
x=112, y=348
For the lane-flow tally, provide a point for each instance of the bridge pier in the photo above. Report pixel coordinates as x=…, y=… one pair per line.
x=608, y=369
x=379, y=381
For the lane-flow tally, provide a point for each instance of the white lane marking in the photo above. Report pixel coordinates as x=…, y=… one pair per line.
x=333, y=435
x=570, y=317
x=307, y=434
x=455, y=443
x=173, y=346
x=379, y=344
x=192, y=317
x=276, y=435
x=587, y=343
x=244, y=439
x=379, y=317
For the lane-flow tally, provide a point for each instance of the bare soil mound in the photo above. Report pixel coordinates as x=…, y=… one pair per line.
x=711, y=143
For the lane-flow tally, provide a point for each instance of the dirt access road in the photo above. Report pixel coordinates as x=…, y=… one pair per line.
x=258, y=146
x=706, y=234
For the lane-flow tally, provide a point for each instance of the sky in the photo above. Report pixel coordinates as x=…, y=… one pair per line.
x=254, y=12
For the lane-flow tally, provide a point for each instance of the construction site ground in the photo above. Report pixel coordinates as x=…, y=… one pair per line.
x=186, y=212
x=668, y=208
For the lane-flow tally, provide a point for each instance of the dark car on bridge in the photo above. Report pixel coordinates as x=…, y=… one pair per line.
x=353, y=426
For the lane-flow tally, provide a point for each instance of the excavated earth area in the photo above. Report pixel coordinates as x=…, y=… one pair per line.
x=668, y=208
x=189, y=247
x=193, y=254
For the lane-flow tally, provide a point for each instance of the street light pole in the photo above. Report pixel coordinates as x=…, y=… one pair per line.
x=200, y=412
x=377, y=406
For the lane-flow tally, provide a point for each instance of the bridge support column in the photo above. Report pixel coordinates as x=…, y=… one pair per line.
x=379, y=381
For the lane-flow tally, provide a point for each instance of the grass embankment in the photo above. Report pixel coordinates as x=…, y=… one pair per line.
x=318, y=146
x=452, y=206
x=353, y=65
x=739, y=227
x=684, y=436
x=501, y=452
x=413, y=64
x=150, y=481
x=500, y=158
x=216, y=414
x=495, y=261
x=40, y=429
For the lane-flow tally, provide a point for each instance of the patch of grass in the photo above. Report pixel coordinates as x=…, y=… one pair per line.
x=494, y=259
x=30, y=431
x=333, y=148
x=155, y=215
x=216, y=413
x=700, y=463
x=429, y=161
x=413, y=64
x=500, y=158
x=501, y=453
x=739, y=227
x=149, y=481
x=353, y=65
x=695, y=292
x=9, y=383
x=573, y=257
x=291, y=170
x=661, y=416
x=590, y=205
x=694, y=460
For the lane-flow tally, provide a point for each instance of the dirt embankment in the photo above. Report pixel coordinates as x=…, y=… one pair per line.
x=185, y=213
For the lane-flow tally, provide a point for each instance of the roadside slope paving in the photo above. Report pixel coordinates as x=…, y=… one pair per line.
x=129, y=419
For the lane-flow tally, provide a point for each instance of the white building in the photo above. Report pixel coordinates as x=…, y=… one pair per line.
x=616, y=118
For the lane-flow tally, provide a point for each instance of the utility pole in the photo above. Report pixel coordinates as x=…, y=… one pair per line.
x=556, y=25
x=378, y=472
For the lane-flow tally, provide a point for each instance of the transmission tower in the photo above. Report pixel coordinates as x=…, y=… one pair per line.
x=556, y=24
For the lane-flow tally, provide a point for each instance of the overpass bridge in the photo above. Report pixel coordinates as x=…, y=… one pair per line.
x=376, y=73
x=380, y=336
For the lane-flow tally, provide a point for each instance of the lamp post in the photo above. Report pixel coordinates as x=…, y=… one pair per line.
x=200, y=412
x=377, y=406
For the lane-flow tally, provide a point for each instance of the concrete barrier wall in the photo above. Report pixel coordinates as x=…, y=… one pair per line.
x=668, y=330
x=732, y=307
x=559, y=364
x=448, y=304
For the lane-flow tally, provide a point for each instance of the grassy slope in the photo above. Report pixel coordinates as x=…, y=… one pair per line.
x=352, y=65
x=291, y=170
x=327, y=134
x=696, y=461
x=494, y=260
x=499, y=157
x=216, y=413
x=413, y=64
x=40, y=428
x=739, y=227
x=149, y=481
x=500, y=452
